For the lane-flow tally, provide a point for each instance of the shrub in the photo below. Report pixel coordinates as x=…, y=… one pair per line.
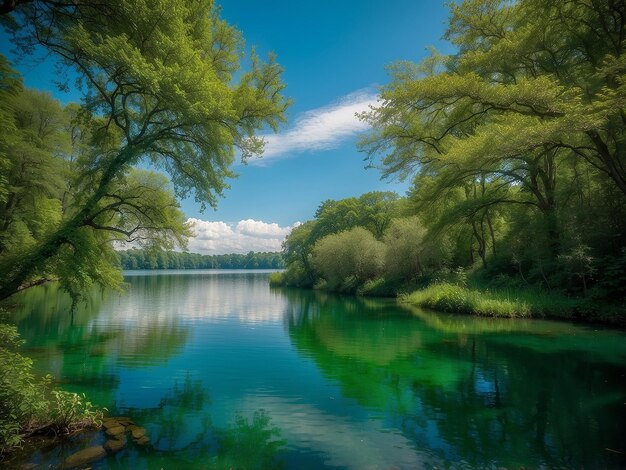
x=277, y=279
x=350, y=258
x=405, y=248
x=29, y=404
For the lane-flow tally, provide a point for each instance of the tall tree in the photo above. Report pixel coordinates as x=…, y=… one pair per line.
x=532, y=81
x=159, y=86
x=532, y=84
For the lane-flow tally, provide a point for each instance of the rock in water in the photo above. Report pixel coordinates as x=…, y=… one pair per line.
x=85, y=456
x=137, y=431
x=142, y=441
x=115, y=431
x=114, y=445
x=124, y=420
x=110, y=423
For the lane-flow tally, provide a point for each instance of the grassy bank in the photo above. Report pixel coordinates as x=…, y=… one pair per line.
x=509, y=303
x=471, y=294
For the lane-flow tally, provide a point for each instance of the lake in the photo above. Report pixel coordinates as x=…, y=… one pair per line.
x=226, y=372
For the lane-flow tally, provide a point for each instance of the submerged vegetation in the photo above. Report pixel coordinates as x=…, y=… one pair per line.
x=30, y=405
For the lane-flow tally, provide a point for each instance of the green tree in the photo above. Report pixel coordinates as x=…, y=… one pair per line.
x=159, y=86
x=350, y=254
x=515, y=142
x=407, y=253
x=34, y=173
x=532, y=81
x=373, y=210
x=297, y=252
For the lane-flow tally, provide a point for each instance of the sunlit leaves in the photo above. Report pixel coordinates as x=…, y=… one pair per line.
x=161, y=84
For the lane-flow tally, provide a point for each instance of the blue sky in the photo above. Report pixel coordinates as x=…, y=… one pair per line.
x=334, y=54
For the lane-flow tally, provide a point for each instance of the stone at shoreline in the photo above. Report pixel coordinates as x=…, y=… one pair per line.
x=110, y=423
x=123, y=420
x=84, y=456
x=114, y=445
x=115, y=431
x=137, y=431
x=142, y=441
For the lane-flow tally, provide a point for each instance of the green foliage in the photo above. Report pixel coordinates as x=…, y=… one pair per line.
x=29, y=404
x=508, y=303
x=22, y=397
x=277, y=279
x=515, y=147
x=407, y=254
x=250, y=444
x=351, y=254
x=10, y=86
x=157, y=259
x=160, y=84
x=70, y=411
x=297, y=252
x=373, y=211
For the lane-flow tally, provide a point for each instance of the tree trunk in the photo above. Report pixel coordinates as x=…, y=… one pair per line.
x=18, y=274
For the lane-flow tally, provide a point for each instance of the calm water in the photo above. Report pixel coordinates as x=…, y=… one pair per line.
x=225, y=372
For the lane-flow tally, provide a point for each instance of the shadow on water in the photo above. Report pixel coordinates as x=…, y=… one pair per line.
x=476, y=391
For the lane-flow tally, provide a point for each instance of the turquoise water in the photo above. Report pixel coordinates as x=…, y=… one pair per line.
x=225, y=372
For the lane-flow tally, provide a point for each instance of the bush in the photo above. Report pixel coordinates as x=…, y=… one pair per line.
x=406, y=253
x=350, y=258
x=28, y=404
x=277, y=279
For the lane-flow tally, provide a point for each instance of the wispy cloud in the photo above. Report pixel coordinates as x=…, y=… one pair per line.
x=321, y=128
x=217, y=237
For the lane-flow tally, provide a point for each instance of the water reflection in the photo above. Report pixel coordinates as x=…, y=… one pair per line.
x=225, y=372
x=184, y=435
x=476, y=392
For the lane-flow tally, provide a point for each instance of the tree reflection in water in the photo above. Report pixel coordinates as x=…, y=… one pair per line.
x=476, y=392
x=184, y=436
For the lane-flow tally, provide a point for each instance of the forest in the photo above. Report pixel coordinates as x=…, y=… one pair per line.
x=514, y=144
x=146, y=259
x=515, y=147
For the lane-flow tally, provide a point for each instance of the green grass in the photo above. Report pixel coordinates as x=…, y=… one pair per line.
x=509, y=303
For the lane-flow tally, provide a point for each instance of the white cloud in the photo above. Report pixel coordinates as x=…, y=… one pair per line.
x=321, y=128
x=216, y=237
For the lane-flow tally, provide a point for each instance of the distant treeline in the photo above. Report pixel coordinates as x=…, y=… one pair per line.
x=150, y=259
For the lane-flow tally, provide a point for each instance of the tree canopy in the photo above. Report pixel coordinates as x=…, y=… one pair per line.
x=515, y=144
x=162, y=85
x=532, y=81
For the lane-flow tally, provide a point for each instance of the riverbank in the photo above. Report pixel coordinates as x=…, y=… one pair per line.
x=514, y=303
x=506, y=303
x=30, y=406
x=481, y=298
